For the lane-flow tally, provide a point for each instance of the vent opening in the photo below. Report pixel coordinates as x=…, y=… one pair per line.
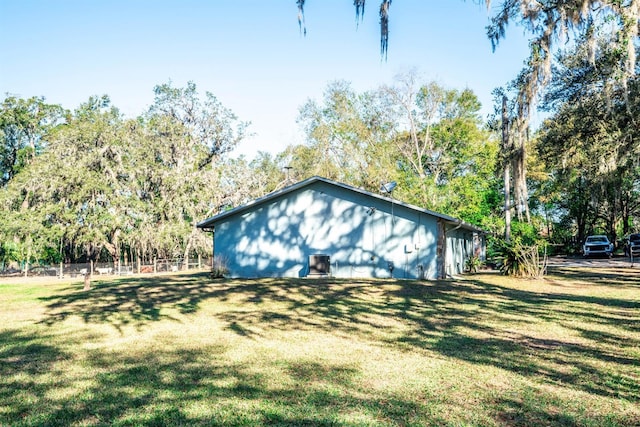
x=319, y=265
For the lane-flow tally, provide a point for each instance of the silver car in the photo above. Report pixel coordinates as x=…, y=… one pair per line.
x=597, y=245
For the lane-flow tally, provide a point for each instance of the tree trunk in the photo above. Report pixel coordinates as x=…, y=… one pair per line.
x=507, y=204
x=521, y=196
x=506, y=149
x=26, y=263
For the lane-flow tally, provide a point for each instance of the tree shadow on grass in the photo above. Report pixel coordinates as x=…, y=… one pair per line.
x=128, y=301
x=596, y=362
x=516, y=412
x=26, y=358
x=26, y=352
x=196, y=387
x=433, y=316
x=620, y=277
x=549, y=361
x=206, y=387
x=532, y=409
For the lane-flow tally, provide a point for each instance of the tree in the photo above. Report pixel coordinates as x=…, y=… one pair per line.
x=441, y=147
x=242, y=181
x=590, y=143
x=87, y=162
x=514, y=132
x=24, y=125
x=72, y=192
x=547, y=22
x=427, y=138
x=106, y=187
x=598, y=177
x=189, y=136
x=343, y=134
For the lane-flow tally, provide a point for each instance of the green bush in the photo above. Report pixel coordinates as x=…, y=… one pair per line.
x=525, y=232
x=473, y=264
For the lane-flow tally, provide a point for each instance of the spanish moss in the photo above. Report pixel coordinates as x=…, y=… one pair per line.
x=384, y=27
x=359, y=4
x=301, y=23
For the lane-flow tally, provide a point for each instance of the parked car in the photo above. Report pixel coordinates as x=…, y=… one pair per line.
x=597, y=245
x=632, y=245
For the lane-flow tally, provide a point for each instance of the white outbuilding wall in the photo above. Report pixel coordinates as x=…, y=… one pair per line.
x=363, y=235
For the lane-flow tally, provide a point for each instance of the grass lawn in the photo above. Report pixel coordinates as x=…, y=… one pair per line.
x=187, y=350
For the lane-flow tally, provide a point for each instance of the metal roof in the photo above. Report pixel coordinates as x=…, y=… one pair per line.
x=210, y=222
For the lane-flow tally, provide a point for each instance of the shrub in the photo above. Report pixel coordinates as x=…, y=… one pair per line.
x=472, y=264
x=519, y=259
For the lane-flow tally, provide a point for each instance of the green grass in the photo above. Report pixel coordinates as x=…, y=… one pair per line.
x=187, y=350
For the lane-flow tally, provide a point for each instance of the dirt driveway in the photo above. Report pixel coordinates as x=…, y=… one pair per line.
x=602, y=262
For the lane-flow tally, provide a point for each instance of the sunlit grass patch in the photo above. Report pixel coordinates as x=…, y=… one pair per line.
x=186, y=350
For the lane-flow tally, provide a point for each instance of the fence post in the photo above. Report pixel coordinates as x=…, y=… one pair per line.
x=87, y=279
x=26, y=263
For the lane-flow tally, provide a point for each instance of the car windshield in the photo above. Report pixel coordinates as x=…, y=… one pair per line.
x=597, y=239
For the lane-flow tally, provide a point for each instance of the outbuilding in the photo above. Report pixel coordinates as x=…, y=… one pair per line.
x=319, y=227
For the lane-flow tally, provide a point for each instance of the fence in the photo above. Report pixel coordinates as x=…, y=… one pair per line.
x=108, y=268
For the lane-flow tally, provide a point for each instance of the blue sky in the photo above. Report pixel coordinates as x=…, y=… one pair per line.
x=249, y=54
